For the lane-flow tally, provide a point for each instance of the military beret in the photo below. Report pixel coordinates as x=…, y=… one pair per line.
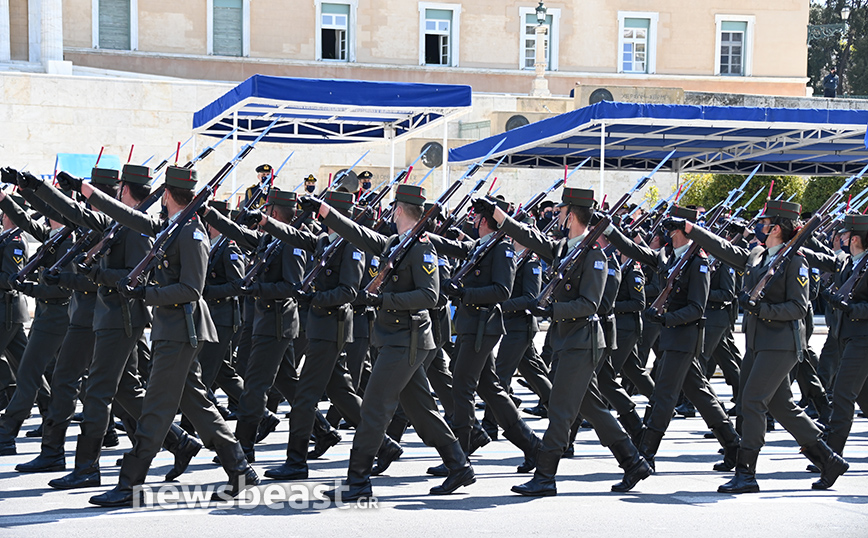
x=281, y=198
x=134, y=173
x=342, y=201
x=780, y=208
x=577, y=197
x=855, y=222
x=182, y=178
x=411, y=194
x=685, y=213
x=104, y=176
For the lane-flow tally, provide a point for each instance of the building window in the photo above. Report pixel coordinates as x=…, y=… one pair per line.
x=334, y=31
x=530, y=24
x=439, y=34
x=734, y=44
x=115, y=24
x=637, y=42
x=228, y=32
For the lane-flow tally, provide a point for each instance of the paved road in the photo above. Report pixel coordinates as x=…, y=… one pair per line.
x=680, y=500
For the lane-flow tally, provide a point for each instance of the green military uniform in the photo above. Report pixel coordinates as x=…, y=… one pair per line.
x=49, y=326
x=775, y=338
x=181, y=321
x=629, y=304
x=403, y=335
x=576, y=339
x=678, y=368
x=13, y=314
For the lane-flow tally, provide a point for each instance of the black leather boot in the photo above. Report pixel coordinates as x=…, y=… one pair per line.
x=831, y=464
x=241, y=474
x=133, y=473
x=460, y=472
x=184, y=447
x=543, y=482
x=295, y=466
x=325, y=437
x=744, y=480
x=245, y=432
x=824, y=408
x=478, y=438
x=649, y=445
x=489, y=427
x=267, y=425
x=729, y=440
x=51, y=456
x=388, y=453
x=397, y=427
x=110, y=439
x=37, y=432
x=634, y=465
x=632, y=425
x=86, y=471
x=358, y=484
x=8, y=431
x=527, y=441
x=574, y=431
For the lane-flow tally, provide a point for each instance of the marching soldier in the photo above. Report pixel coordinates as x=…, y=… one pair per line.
x=681, y=342
x=181, y=321
x=775, y=331
x=403, y=335
x=576, y=340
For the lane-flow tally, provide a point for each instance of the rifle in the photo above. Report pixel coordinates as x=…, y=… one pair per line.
x=818, y=219
x=48, y=246
x=302, y=215
x=845, y=292
x=166, y=160
x=85, y=240
x=261, y=262
x=165, y=237
x=569, y=264
x=450, y=219
x=473, y=262
x=675, y=273
x=659, y=210
x=398, y=253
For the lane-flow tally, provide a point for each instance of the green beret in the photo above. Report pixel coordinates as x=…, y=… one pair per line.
x=780, y=208
x=685, y=213
x=577, y=197
x=282, y=198
x=411, y=194
x=133, y=173
x=104, y=176
x=342, y=201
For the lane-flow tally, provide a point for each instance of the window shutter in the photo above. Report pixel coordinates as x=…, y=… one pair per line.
x=228, y=23
x=114, y=24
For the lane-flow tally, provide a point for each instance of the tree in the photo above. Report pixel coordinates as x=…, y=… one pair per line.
x=847, y=52
x=819, y=189
x=711, y=189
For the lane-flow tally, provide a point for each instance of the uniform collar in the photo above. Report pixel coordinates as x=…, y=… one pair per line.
x=678, y=252
x=175, y=216
x=576, y=240
x=855, y=259
x=333, y=237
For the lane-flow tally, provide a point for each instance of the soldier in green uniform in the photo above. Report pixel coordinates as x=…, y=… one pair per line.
x=775, y=334
x=49, y=326
x=76, y=351
x=181, y=322
x=681, y=342
x=118, y=325
x=329, y=327
x=576, y=340
x=405, y=341
x=13, y=314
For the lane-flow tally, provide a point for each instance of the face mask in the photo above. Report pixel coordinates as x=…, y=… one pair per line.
x=845, y=247
x=565, y=228
x=366, y=185
x=761, y=236
x=665, y=240
x=393, y=228
x=310, y=188
x=474, y=232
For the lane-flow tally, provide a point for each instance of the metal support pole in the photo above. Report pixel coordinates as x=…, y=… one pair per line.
x=602, y=161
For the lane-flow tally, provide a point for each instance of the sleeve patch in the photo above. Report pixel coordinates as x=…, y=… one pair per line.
x=375, y=262
x=537, y=270
x=731, y=271
x=357, y=255
x=509, y=254
x=429, y=258
x=599, y=265
x=815, y=270
x=198, y=236
x=803, y=271
x=611, y=272
x=233, y=256
x=298, y=252
x=441, y=262
x=703, y=268
x=639, y=280
x=18, y=252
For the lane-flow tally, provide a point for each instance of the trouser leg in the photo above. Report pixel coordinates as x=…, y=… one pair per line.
x=608, y=430
x=339, y=390
x=698, y=390
x=849, y=386
x=315, y=373
x=536, y=373
x=75, y=355
x=41, y=348
x=440, y=377
x=357, y=352
x=830, y=358
x=672, y=368
x=610, y=389
x=571, y=381
x=468, y=366
x=266, y=354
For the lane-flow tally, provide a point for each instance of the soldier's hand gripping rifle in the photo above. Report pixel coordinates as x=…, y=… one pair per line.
x=98, y=250
x=817, y=220
x=676, y=272
x=86, y=239
x=49, y=246
x=572, y=261
x=471, y=263
x=165, y=237
x=388, y=267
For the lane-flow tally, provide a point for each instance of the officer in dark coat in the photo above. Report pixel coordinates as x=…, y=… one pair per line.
x=576, y=339
x=775, y=338
x=681, y=342
x=181, y=322
x=256, y=192
x=47, y=331
x=405, y=341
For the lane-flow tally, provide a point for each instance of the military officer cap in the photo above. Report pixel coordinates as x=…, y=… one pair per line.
x=577, y=197
x=221, y=206
x=104, y=176
x=411, y=194
x=310, y=179
x=854, y=222
x=780, y=209
x=348, y=182
x=342, y=201
x=134, y=173
x=281, y=198
x=366, y=175
x=263, y=169
x=685, y=213
x=182, y=178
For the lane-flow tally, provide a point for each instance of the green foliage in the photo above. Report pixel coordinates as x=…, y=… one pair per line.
x=819, y=189
x=849, y=52
x=710, y=189
x=651, y=196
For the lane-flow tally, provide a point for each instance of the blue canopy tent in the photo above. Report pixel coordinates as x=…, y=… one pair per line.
x=312, y=111
x=625, y=136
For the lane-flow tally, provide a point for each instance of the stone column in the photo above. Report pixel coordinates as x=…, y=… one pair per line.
x=5, y=38
x=540, y=84
x=51, y=43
